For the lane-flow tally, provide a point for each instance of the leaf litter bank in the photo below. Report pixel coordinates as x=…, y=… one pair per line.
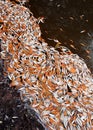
x=58, y=85
x=14, y=114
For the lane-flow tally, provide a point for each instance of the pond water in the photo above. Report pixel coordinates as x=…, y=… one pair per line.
x=68, y=21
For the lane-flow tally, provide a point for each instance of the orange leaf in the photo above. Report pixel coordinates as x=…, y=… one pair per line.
x=10, y=69
x=72, y=70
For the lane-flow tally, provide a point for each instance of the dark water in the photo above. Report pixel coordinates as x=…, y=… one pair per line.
x=69, y=21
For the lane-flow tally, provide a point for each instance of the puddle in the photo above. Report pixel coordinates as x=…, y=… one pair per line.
x=70, y=22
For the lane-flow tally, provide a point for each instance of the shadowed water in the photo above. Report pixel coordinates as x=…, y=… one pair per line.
x=69, y=21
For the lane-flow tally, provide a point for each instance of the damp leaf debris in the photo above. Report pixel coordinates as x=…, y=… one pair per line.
x=58, y=85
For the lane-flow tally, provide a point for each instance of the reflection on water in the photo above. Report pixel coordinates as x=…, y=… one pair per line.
x=69, y=21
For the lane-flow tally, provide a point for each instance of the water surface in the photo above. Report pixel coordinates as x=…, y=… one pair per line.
x=69, y=21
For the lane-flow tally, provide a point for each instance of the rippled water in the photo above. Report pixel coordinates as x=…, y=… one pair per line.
x=69, y=21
